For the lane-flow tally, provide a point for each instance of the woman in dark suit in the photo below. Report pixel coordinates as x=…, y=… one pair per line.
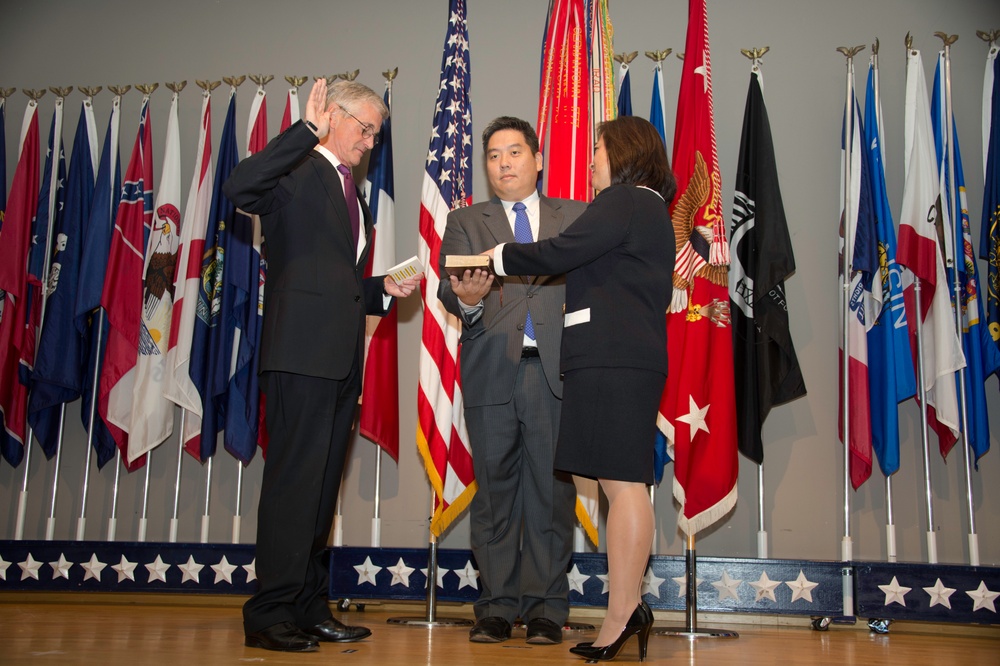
x=619, y=259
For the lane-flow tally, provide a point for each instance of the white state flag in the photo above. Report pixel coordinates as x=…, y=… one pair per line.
x=919, y=251
x=152, y=414
x=187, y=280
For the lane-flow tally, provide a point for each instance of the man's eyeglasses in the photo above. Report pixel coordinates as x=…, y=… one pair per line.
x=367, y=131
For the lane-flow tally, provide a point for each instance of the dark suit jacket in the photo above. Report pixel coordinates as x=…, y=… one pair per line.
x=316, y=299
x=619, y=262
x=491, y=346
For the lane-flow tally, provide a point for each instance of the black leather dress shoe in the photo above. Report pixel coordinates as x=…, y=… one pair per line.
x=543, y=631
x=284, y=637
x=493, y=629
x=334, y=631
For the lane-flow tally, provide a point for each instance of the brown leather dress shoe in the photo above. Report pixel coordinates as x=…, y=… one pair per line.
x=493, y=629
x=543, y=631
x=283, y=637
x=334, y=631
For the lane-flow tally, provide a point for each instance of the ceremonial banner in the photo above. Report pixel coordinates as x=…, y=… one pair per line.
x=766, y=368
x=989, y=229
x=15, y=241
x=122, y=294
x=920, y=225
x=442, y=439
x=152, y=418
x=698, y=406
x=379, y=419
x=180, y=388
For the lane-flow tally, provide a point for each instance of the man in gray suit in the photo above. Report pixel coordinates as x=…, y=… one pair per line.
x=523, y=512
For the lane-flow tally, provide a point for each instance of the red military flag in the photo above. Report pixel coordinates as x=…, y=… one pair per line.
x=698, y=407
x=15, y=241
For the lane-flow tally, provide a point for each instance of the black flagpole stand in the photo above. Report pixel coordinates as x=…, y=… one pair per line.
x=691, y=629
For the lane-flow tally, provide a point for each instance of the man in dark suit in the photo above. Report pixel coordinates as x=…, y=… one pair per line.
x=512, y=390
x=317, y=230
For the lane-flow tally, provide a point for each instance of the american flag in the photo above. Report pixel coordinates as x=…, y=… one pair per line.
x=441, y=436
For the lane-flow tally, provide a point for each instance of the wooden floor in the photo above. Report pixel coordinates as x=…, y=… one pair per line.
x=111, y=630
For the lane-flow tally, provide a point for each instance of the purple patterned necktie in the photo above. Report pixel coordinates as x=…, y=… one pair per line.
x=522, y=234
x=351, y=195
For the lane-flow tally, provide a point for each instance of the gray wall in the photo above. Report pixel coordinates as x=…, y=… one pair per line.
x=49, y=42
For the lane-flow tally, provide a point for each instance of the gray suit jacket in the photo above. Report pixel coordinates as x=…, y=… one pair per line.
x=491, y=346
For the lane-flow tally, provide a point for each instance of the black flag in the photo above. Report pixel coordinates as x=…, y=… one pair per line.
x=767, y=371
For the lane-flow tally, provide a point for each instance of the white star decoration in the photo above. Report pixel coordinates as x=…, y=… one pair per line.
x=191, y=570
x=894, y=592
x=440, y=576
x=3, y=568
x=251, y=570
x=400, y=573
x=60, y=568
x=940, y=594
x=468, y=577
x=604, y=580
x=93, y=568
x=157, y=570
x=801, y=587
x=125, y=569
x=765, y=587
x=727, y=587
x=224, y=571
x=367, y=571
x=982, y=596
x=576, y=579
x=682, y=583
x=695, y=418
x=29, y=568
x=651, y=583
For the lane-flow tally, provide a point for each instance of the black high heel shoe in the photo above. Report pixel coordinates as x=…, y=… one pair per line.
x=639, y=625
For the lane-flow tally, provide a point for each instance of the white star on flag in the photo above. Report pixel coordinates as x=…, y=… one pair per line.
x=468, y=577
x=400, y=573
x=3, y=568
x=727, y=587
x=940, y=594
x=29, y=568
x=191, y=569
x=60, y=568
x=765, y=587
x=801, y=587
x=224, y=571
x=651, y=583
x=983, y=597
x=695, y=418
x=125, y=569
x=576, y=579
x=604, y=579
x=440, y=576
x=93, y=568
x=367, y=571
x=894, y=593
x=251, y=570
x=682, y=582
x=157, y=570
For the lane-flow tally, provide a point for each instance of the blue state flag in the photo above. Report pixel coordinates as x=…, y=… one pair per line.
x=91, y=323
x=656, y=105
x=212, y=343
x=58, y=373
x=982, y=357
x=625, y=93
x=891, y=377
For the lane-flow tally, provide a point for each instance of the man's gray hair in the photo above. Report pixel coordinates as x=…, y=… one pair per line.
x=348, y=95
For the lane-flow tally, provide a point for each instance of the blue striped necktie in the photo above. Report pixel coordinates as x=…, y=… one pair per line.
x=522, y=234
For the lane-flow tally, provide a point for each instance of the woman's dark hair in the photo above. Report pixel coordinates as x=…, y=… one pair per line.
x=636, y=155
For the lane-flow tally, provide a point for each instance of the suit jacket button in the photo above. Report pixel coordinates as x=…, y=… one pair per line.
x=520, y=327
x=357, y=298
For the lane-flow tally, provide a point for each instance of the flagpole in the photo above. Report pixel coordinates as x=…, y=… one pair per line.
x=691, y=629
x=50, y=524
x=81, y=522
x=112, y=518
x=890, y=524
x=177, y=478
x=205, y=518
x=954, y=215
x=931, y=535
x=847, y=546
x=145, y=498
x=237, y=515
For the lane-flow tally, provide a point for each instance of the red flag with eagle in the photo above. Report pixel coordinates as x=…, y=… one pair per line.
x=698, y=407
